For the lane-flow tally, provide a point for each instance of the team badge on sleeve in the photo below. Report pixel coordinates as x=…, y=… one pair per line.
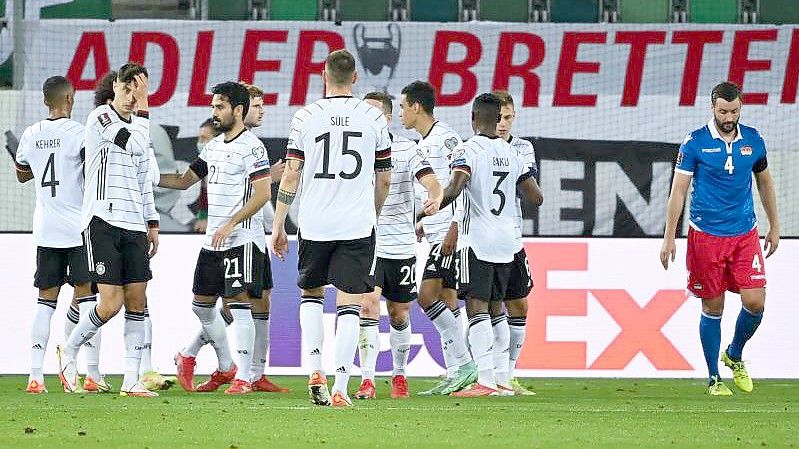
x=258, y=152
x=451, y=143
x=104, y=119
x=679, y=157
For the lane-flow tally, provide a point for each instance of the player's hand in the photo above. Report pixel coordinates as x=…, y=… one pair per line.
x=221, y=235
x=772, y=242
x=450, y=241
x=280, y=243
x=140, y=91
x=431, y=206
x=152, y=236
x=667, y=251
x=419, y=231
x=277, y=171
x=200, y=226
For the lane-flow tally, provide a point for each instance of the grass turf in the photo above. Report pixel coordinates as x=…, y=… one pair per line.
x=566, y=413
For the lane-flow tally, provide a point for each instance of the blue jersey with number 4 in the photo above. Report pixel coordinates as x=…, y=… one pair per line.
x=721, y=202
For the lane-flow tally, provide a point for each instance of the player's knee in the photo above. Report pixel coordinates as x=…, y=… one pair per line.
x=517, y=307
x=50, y=294
x=398, y=315
x=370, y=307
x=83, y=290
x=713, y=307
x=314, y=292
x=475, y=306
x=754, y=301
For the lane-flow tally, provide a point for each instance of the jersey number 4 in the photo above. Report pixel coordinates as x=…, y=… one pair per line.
x=50, y=169
x=728, y=165
x=325, y=174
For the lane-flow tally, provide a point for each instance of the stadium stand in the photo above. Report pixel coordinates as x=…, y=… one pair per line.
x=504, y=10
x=713, y=11
x=363, y=10
x=654, y=11
x=434, y=10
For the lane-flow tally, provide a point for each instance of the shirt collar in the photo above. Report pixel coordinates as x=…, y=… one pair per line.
x=714, y=133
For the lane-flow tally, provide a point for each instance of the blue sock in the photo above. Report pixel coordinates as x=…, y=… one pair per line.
x=745, y=327
x=710, y=334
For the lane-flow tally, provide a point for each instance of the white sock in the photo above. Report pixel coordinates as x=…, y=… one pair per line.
x=193, y=348
x=134, y=343
x=368, y=347
x=518, y=332
x=481, y=338
x=40, y=335
x=244, y=330
x=499, y=324
x=146, y=353
x=347, y=329
x=214, y=329
x=455, y=353
x=92, y=347
x=73, y=316
x=261, y=321
x=313, y=332
x=400, y=339
x=452, y=371
x=88, y=325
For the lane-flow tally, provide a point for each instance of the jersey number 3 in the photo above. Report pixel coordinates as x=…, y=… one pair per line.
x=325, y=174
x=501, y=175
x=50, y=169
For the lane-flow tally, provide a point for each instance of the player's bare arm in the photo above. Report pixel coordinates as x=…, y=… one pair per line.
x=435, y=193
x=285, y=196
x=382, y=186
x=768, y=196
x=530, y=191
x=152, y=237
x=679, y=189
x=140, y=92
x=261, y=193
x=456, y=184
x=179, y=181
x=24, y=175
x=450, y=242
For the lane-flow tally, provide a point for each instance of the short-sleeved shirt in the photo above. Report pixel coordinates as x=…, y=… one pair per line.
x=489, y=218
x=342, y=141
x=437, y=146
x=396, y=228
x=53, y=151
x=230, y=168
x=525, y=150
x=721, y=201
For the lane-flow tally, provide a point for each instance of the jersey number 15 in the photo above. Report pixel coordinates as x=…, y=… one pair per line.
x=325, y=174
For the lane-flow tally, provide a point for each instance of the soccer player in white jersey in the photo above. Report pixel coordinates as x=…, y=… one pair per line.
x=489, y=172
x=50, y=152
x=231, y=262
x=520, y=282
x=120, y=223
x=438, y=295
x=340, y=147
x=395, y=268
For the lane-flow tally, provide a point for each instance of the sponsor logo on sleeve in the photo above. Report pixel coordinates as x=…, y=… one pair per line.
x=104, y=119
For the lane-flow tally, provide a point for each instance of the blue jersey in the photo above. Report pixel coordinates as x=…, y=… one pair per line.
x=721, y=202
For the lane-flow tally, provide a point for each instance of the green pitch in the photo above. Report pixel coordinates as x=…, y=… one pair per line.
x=565, y=414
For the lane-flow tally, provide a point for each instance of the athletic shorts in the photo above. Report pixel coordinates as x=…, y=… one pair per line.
x=441, y=267
x=346, y=264
x=396, y=278
x=267, y=279
x=520, y=282
x=480, y=279
x=58, y=266
x=229, y=273
x=716, y=264
x=116, y=256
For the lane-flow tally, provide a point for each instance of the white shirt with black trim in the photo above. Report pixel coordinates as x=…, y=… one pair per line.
x=396, y=228
x=343, y=141
x=526, y=151
x=437, y=146
x=52, y=150
x=118, y=189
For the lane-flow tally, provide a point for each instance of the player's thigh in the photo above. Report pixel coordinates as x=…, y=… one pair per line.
x=135, y=257
x=476, y=277
x=209, y=275
x=351, y=265
x=501, y=276
x=313, y=261
x=243, y=271
x=397, y=279
x=104, y=252
x=747, y=268
x=705, y=260
x=51, y=271
x=520, y=282
x=267, y=281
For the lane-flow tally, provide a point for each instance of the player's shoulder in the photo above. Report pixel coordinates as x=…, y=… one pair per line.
x=750, y=133
x=71, y=126
x=103, y=115
x=444, y=135
x=403, y=148
x=521, y=144
x=697, y=136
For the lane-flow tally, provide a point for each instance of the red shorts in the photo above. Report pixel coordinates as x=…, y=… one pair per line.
x=716, y=264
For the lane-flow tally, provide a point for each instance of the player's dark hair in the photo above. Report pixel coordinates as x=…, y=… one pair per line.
x=129, y=71
x=504, y=97
x=383, y=98
x=485, y=110
x=105, y=89
x=421, y=92
x=339, y=66
x=54, y=89
x=235, y=94
x=727, y=91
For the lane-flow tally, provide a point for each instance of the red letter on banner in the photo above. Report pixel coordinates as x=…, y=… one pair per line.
x=249, y=57
x=791, y=70
x=696, y=41
x=90, y=42
x=569, y=65
x=546, y=302
x=638, y=41
x=740, y=62
x=199, y=73
x=641, y=330
x=169, y=74
x=505, y=69
x=304, y=67
x=440, y=66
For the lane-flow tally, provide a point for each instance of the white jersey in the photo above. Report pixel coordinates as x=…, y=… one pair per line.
x=230, y=169
x=52, y=150
x=396, y=228
x=525, y=150
x=489, y=220
x=437, y=146
x=343, y=141
x=118, y=189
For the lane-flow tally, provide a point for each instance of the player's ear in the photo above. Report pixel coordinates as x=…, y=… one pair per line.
x=354, y=77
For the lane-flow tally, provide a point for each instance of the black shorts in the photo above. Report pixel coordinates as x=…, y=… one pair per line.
x=58, y=266
x=397, y=279
x=346, y=264
x=116, y=256
x=229, y=273
x=267, y=278
x=520, y=282
x=480, y=279
x=441, y=267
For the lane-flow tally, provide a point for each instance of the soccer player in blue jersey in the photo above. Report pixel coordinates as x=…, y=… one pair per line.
x=723, y=246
